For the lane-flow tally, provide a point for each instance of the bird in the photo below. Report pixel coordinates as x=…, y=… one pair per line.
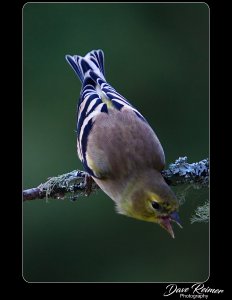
x=118, y=148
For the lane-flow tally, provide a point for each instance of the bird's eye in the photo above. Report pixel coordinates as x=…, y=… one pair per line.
x=155, y=205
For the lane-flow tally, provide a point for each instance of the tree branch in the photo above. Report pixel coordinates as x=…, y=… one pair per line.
x=181, y=171
x=74, y=184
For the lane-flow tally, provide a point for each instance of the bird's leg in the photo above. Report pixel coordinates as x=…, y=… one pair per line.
x=88, y=184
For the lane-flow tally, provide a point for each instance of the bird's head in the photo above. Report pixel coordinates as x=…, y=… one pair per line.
x=152, y=200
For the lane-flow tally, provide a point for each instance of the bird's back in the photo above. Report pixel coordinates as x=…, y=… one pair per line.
x=121, y=143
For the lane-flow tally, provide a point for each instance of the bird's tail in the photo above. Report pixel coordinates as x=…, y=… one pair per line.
x=92, y=61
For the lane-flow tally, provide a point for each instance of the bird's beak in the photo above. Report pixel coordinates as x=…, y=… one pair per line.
x=175, y=217
x=165, y=222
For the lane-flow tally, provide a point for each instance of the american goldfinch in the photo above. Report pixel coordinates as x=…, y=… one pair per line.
x=119, y=149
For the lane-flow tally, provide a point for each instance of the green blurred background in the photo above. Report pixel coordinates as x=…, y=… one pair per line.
x=157, y=56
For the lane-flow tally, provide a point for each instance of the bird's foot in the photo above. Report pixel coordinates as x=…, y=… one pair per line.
x=88, y=184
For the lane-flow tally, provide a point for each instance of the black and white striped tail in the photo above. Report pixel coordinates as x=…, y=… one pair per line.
x=92, y=61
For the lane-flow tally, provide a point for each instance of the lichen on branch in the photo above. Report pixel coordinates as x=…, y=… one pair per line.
x=73, y=184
